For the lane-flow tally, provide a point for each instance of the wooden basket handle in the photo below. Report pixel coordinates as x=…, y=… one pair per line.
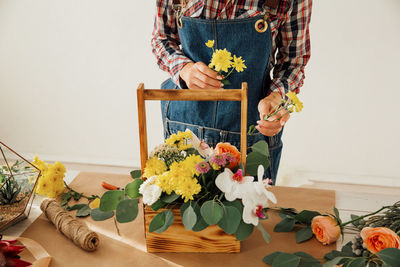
x=190, y=95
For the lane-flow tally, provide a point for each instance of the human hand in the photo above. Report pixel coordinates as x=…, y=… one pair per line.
x=273, y=125
x=199, y=76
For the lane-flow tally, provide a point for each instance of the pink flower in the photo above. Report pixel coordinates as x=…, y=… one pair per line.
x=202, y=167
x=219, y=160
x=259, y=212
x=238, y=176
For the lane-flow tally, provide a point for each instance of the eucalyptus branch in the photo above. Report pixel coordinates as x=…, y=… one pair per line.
x=362, y=217
x=81, y=194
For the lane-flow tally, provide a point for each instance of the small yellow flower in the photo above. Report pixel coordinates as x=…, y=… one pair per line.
x=154, y=166
x=95, y=203
x=221, y=60
x=210, y=43
x=238, y=63
x=59, y=167
x=296, y=101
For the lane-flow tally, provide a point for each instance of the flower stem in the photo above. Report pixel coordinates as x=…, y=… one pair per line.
x=362, y=217
x=82, y=195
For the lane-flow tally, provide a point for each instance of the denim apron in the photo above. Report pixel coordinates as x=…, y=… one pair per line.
x=219, y=121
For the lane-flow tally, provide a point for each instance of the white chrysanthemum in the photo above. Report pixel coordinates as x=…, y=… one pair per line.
x=150, y=191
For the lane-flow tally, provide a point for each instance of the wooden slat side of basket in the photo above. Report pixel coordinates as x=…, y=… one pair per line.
x=177, y=239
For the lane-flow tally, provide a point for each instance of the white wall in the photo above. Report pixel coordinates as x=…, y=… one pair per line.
x=69, y=71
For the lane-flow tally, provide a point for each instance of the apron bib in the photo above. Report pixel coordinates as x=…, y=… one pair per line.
x=219, y=121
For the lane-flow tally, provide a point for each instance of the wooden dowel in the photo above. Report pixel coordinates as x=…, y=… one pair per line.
x=193, y=95
x=142, y=126
x=243, y=126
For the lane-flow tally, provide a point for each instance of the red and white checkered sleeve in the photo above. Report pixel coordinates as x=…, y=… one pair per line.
x=293, y=45
x=165, y=41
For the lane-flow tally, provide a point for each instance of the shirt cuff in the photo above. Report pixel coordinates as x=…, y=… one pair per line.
x=175, y=72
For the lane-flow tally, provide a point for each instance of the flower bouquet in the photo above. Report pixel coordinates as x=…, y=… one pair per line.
x=195, y=193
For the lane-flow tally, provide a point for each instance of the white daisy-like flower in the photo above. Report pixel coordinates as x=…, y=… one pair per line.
x=234, y=185
x=150, y=191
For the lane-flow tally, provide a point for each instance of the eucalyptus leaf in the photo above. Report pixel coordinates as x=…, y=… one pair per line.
x=110, y=200
x=127, y=210
x=269, y=259
x=211, y=212
x=236, y=203
x=307, y=260
x=98, y=215
x=157, y=222
x=286, y=260
x=200, y=224
x=189, y=218
x=304, y=234
x=83, y=211
x=264, y=233
x=136, y=174
x=230, y=220
x=286, y=225
x=169, y=220
x=254, y=159
x=244, y=231
x=332, y=262
x=132, y=189
x=261, y=147
x=77, y=206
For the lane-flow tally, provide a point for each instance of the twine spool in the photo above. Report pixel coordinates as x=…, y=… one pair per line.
x=78, y=232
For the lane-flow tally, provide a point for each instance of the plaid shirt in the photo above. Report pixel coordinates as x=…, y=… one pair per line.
x=290, y=36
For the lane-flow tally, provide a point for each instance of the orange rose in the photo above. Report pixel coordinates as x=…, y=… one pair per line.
x=228, y=148
x=376, y=239
x=325, y=229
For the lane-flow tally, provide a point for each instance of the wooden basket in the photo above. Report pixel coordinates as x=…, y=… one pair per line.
x=177, y=238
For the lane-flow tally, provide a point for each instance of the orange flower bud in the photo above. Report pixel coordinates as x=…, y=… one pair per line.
x=325, y=229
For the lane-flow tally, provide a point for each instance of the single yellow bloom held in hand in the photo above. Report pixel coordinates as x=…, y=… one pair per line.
x=296, y=101
x=238, y=63
x=221, y=60
x=210, y=43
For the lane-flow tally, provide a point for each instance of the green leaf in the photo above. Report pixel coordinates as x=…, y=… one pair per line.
x=360, y=262
x=254, y=159
x=189, y=218
x=264, y=233
x=236, y=203
x=169, y=198
x=77, y=196
x=390, y=256
x=244, y=231
x=211, y=212
x=307, y=260
x=136, y=174
x=306, y=216
x=77, y=206
x=230, y=220
x=286, y=225
x=261, y=147
x=132, y=189
x=110, y=200
x=83, y=211
x=332, y=262
x=158, y=205
x=66, y=196
x=226, y=82
x=353, y=217
x=127, y=210
x=157, y=222
x=269, y=259
x=304, y=234
x=200, y=224
x=286, y=260
x=98, y=215
x=169, y=220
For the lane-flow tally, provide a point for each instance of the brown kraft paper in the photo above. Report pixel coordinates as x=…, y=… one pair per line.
x=129, y=249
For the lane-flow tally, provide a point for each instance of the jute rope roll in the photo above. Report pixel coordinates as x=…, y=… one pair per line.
x=78, y=232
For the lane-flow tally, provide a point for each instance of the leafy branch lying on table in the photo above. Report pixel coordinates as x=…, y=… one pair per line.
x=377, y=241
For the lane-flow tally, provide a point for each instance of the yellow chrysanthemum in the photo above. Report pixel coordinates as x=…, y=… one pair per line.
x=296, y=101
x=210, y=43
x=59, y=167
x=188, y=188
x=154, y=166
x=180, y=140
x=221, y=60
x=238, y=63
x=40, y=164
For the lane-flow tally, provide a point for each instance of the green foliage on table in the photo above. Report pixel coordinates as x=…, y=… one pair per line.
x=132, y=189
x=98, y=215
